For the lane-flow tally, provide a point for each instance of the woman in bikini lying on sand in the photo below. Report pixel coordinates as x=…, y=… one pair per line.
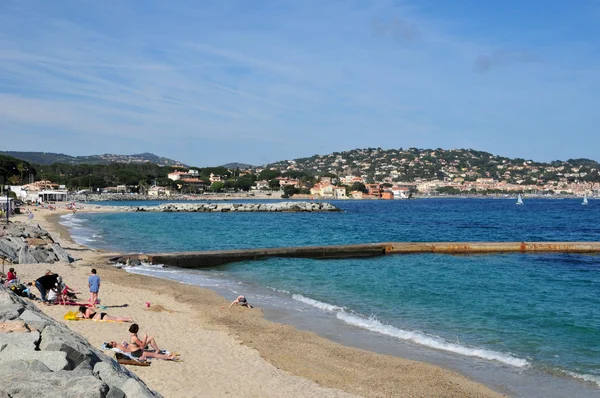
x=89, y=313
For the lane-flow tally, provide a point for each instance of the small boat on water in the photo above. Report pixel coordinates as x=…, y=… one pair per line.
x=585, y=201
x=519, y=200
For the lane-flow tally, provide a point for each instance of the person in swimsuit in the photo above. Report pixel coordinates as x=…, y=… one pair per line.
x=240, y=300
x=137, y=352
x=141, y=343
x=89, y=313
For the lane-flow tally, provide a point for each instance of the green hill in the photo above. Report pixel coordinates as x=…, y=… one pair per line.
x=47, y=158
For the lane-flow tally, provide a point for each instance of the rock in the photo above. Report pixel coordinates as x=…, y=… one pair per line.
x=134, y=388
x=55, y=360
x=36, y=319
x=52, y=384
x=26, y=244
x=112, y=374
x=6, y=297
x=237, y=207
x=26, y=256
x=9, y=312
x=134, y=262
x=57, y=337
x=61, y=254
x=21, y=365
x=20, y=340
x=41, y=255
x=10, y=247
x=115, y=392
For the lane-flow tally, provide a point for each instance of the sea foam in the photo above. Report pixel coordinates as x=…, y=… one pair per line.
x=429, y=341
x=318, y=304
x=435, y=342
x=589, y=378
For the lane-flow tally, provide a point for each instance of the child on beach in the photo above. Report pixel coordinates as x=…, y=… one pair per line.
x=94, y=284
x=12, y=274
x=11, y=278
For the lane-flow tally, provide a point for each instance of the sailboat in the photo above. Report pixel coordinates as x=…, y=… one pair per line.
x=585, y=201
x=519, y=200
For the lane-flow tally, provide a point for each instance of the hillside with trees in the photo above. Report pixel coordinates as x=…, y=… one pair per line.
x=47, y=158
x=448, y=171
x=15, y=171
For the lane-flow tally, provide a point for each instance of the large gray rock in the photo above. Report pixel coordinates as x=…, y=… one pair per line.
x=26, y=256
x=38, y=320
x=112, y=374
x=62, y=384
x=61, y=254
x=7, y=297
x=26, y=244
x=42, y=255
x=9, y=312
x=135, y=388
x=21, y=365
x=10, y=247
x=19, y=340
x=54, y=360
x=57, y=337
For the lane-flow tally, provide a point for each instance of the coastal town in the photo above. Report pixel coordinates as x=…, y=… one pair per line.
x=372, y=173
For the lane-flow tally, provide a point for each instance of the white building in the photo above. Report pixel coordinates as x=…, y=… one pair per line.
x=52, y=196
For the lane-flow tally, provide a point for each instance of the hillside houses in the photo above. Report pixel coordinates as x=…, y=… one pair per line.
x=374, y=172
x=463, y=169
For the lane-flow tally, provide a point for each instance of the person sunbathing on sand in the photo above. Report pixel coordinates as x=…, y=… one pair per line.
x=139, y=353
x=240, y=300
x=89, y=313
x=141, y=343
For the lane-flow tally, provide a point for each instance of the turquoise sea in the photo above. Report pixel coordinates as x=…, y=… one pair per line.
x=524, y=324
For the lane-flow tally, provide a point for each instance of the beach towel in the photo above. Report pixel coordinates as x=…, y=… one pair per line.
x=120, y=354
x=73, y=303
x=125, y=358
x=71, y=316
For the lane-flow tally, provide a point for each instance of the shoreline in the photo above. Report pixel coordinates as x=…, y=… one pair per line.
x=281, y=350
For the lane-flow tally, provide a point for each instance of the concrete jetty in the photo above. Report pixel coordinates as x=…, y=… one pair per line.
x=206, y=259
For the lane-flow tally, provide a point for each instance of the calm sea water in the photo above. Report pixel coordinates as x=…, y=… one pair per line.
x=515, y=321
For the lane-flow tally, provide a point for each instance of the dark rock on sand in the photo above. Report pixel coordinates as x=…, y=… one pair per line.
x=22, y=243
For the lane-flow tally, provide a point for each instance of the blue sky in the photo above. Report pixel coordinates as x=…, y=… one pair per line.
x=211, y=82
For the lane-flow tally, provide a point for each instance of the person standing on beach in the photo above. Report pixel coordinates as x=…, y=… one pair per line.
x=94, y=284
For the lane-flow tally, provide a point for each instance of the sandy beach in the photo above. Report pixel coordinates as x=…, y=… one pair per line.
x=230, y=352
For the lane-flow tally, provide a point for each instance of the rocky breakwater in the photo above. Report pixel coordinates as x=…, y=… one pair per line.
x=239, y=207
x=42, y=357
x=22, y=243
